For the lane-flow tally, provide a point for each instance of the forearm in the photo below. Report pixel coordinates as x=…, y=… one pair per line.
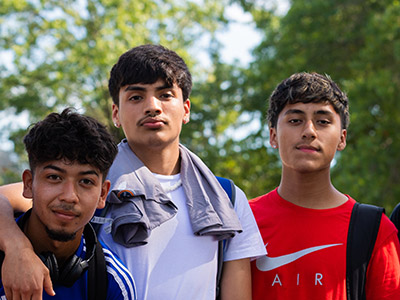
x=11, y=237
x=13, y=192
x=23, y=274
x=236, y=280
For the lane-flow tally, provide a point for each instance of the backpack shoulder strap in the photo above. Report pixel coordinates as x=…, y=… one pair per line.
x=97, y=275
x=229, y=188
x=395, y=218
x=363, y=230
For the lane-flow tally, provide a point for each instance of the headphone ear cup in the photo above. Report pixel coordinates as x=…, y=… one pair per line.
x=75, y=266
x=50, y=261
x=71, y=271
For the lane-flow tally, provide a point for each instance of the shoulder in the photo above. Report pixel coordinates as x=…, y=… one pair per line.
x=387, y=243
x=247, y=244
x=269, y=195
x=261, y=203
x=120, y=279
x=386, y=229
x=384, y=268
x=242, y=205
x=395, y=216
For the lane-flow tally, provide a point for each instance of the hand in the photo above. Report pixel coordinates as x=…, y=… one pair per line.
x=24, y=276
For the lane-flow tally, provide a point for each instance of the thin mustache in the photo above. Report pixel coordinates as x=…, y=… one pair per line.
x=142, y=120
x=66, y=208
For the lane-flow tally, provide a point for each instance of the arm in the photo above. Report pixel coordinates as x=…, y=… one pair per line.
x=23, y=274
x=13, y=192
x=383, y=273
x=236, y=280
x=236, y=275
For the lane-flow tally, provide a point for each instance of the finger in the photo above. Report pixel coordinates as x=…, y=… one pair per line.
x=48, y=286
x=9, y=294
x=37, y=296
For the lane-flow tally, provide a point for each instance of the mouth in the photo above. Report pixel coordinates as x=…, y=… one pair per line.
x=65, y=215
x=307, y=148
x=152, y=122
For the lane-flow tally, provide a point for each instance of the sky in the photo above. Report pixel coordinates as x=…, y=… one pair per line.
x=242, y=35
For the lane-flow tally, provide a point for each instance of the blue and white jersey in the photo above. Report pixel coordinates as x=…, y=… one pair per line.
x=121, y=285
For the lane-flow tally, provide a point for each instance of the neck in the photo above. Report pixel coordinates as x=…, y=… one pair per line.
x=163, y=161
x=36, y=233
x=310, y=190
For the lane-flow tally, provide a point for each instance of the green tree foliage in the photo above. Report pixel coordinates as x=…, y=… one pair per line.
x=59, y=53
x=230, y=137
x=372, y=162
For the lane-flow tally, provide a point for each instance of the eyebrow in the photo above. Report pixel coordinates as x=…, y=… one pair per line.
x=301, y=112
x=141, y=88
x=53, y=167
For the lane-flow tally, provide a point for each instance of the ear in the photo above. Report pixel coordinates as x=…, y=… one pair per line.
x=273, y=138
x=186, y=108
x=104, y=192
x=27, y=179
x=115, y=115
x=342, y=143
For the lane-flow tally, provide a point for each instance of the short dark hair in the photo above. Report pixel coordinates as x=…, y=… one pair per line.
x=308, y=87
x=146, y=64
x=72, y=137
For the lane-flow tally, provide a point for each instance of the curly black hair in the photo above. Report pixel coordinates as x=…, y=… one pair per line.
x=308, y=87
x=146, y=64
x=72, y=137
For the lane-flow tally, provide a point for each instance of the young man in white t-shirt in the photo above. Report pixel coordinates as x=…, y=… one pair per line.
x=177, y=259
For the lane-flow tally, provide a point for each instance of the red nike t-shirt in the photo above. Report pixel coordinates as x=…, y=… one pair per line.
x=307, y=253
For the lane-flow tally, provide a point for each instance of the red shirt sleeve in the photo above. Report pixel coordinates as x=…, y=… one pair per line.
x=383, y=274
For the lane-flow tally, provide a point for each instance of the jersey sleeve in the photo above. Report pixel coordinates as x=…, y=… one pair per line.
x=121, y=285
x=383, y=274
x=248, y=243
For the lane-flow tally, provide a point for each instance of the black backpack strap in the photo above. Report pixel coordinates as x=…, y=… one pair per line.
x=395, y=218
x=229, y=188
x=97, y=275
x=97, y=272
x=363, y=230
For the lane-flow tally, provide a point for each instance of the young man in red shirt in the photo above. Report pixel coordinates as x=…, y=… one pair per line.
x=304, y=222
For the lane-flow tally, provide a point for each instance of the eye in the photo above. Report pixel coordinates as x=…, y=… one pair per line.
x=53, y=177
x=294, y=121
x=87, y=181
x=166, y=96
x=135, y=98
x=324, y=122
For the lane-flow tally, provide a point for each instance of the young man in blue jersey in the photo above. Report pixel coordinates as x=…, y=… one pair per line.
x=69, y=158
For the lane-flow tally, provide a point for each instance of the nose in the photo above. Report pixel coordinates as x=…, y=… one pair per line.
x=69, y=193
x=309, y=130
x=153, y=106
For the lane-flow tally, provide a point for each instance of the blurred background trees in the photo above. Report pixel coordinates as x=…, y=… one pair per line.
x=58, y=53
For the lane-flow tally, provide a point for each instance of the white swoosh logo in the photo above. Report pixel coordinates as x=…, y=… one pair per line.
x=269, y=263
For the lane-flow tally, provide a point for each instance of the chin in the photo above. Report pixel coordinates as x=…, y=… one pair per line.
x=60, y=235
x=306, y=169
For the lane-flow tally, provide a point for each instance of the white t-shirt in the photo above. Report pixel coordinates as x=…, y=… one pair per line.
x=177, y=265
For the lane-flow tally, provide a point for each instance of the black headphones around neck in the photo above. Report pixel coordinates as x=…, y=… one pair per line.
x=75, y=266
